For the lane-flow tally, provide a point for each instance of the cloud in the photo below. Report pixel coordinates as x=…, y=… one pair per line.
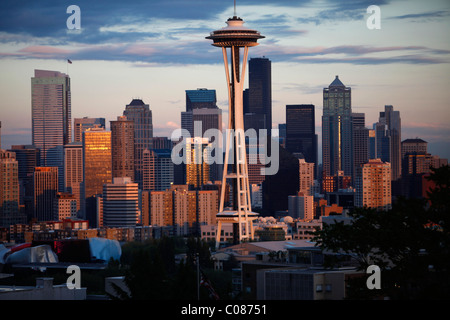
x=424, y=16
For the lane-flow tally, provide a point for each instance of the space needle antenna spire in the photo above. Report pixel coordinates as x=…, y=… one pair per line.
x=232, y=39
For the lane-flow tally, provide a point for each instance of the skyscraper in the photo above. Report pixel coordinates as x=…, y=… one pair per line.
x=301, y=133
x=51, y=111
x=360, y=142
x=65, y=206
x=197, y=166
x=158, y=173
x=201, y=98
x=73, y=172
x=122, y=147
x=140, y=113
x=81, y=124
x=414, y=145
x=9, y=190
x=97, y=169
x=337, y=129
x=120, y=203
x=374, y=185
x=205, y=119
x=28, y=157
x=259, y=94
x=45, y=189
x=306, y=177
x=393, y=124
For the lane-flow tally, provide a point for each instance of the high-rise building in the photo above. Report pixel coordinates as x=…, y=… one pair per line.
x=120, y=203
x=301, y=206
x=337, y=129
x=374, y=185
x=122, y=147
x=161, y=208
x=73, y=172
x=392, y=120
x=335, y=183
x=140, y=113
x=203, y=116
x=28, y=157
x=306, y=177
x=197, y=162
x=82, y=124
x=372, y=144
x=45, y=188
x=97, y=169
x=65, y=206
x=414, y=145
x=158, y=173
x=301, y=133
x=207, y=207
x=9, y=190
x=259, y=93
x=204, y=119
x=183, y=209
x=51, y=111
x=360, y=141
x=201, y=98
x=162, y=143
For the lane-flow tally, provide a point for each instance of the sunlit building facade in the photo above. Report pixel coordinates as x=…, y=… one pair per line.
x=82, y=124
x=73, y=171
x=374, y=185
x=197, y=167
x=9, y=190
x=122, y=147
x=97, y=168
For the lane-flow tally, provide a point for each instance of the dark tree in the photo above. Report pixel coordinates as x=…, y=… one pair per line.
x=410, y=243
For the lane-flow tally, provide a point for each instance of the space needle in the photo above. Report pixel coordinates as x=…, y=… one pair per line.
x=232, y=39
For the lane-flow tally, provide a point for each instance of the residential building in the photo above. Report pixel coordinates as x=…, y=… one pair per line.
x=374, y=185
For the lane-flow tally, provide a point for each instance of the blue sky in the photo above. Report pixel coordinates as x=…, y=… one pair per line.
x=155, y=50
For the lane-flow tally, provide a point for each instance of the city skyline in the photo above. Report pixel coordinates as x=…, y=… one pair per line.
x=148, y=51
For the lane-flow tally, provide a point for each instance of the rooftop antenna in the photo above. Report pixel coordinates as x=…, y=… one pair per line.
x=235, y=8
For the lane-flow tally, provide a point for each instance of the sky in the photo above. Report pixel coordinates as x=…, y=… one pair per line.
x=156, y=49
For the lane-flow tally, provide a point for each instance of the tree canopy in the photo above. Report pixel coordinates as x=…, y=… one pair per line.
x=409, y=243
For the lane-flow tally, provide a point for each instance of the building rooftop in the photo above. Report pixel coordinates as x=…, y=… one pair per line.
x=337, y=83
x=415, y=140
x=136, y=102
x=201, y=95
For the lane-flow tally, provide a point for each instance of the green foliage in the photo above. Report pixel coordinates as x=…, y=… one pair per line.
x=410, y=243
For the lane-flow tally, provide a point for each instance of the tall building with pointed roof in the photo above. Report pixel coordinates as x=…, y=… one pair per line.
x=337, y=129
x=140, y=113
